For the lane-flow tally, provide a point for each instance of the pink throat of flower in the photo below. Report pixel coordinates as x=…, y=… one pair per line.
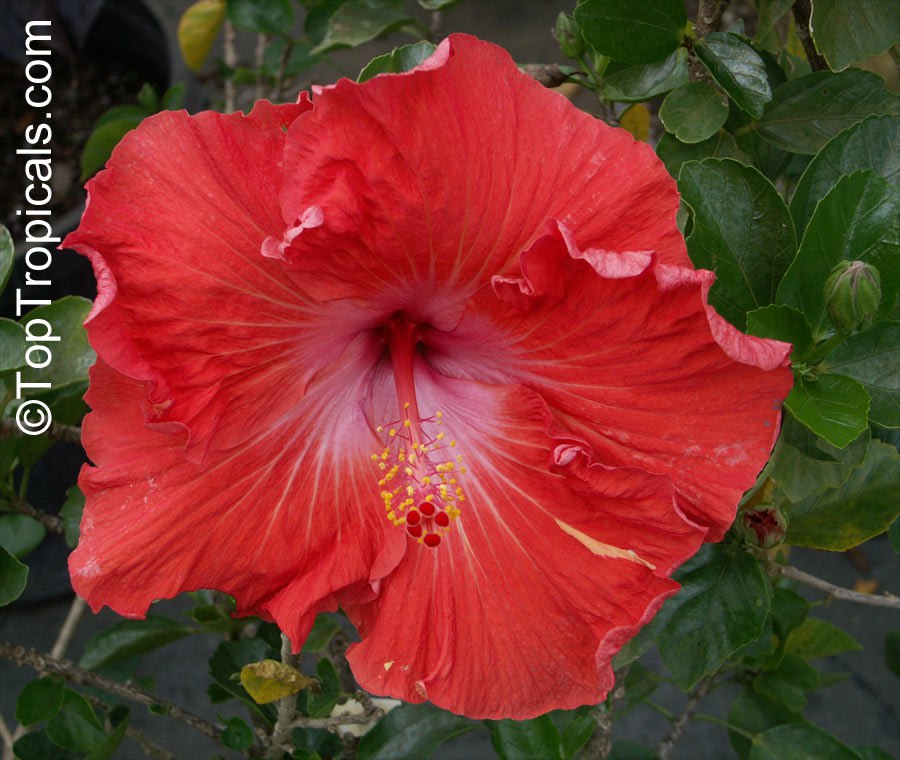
x=419, y=466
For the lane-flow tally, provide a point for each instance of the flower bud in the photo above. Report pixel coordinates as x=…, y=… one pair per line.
x=568, y=35
x=762, y=526
x=852, y=295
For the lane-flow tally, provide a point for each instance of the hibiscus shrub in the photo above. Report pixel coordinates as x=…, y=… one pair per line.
x=450, y=405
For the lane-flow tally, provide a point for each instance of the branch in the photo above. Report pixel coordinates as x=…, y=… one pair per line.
x=600, y=744
x=664, y=750
x=835, y=592
x=287, y=712
x=709, y=16
x=51, y=522
x=56, y=432
x=802, y=10
x=64, y=637
x=44, y=663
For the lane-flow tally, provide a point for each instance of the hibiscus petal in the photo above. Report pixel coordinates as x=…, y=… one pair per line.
x=283, y=511
x=174, y=229
x=633, y=361
x=428, y=183
x=546, y=630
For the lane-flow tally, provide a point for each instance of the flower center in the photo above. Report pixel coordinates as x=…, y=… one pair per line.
x=419, y=465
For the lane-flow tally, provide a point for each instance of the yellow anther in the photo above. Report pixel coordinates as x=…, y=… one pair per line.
x=392, y=432
x=407, y=423
x=440, y=436
x=406, y=405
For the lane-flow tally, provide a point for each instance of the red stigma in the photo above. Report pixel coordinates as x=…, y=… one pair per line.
x=432, y=539
x=415, y=531
x=426, y=508
x=413, y=517
x=442, y=519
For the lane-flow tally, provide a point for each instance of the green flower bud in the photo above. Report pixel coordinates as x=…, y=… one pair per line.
x=762, y=526
x=568, y=35
x=852, y=295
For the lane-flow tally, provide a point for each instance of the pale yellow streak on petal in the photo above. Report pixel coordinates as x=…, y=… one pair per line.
x=603, y=550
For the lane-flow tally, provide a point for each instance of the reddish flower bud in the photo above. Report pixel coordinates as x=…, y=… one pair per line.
x=763, y=526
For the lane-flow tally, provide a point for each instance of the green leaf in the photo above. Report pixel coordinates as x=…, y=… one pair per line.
x=40, y=700
x=525, y=739
x=833, y=407
x=575, y=729
x=267, y=16
x=12, y=346
x=71, y=512
x=798, y=741
x=864, y=506
x=173, y=97
x=806, y=113
x=892, y=652
x=693, y=112
x=872, y=358
x=100, y=144
x=198, y=28
x=237, y=734
x=675, y=154
x=7, y=257
x=894, y=535
x=323, y=630
x=856, y=220
x=36, y=746
x=131, y=638
x=738, y=69
x=398, y=60
x=722, y=605
x=788, y=683
x=119, y=113
x=849, y=31
x=817, y=638
x=412, y=732
x=628, y=750
x=76, y=725
x=771, y=161
x=634, y=83
x=769, y=13
x=437, y=5
x=742, y=231
x=320, y=702
x=781, y=323
x=873, y=753
x=225, y=667
x=299, y=58
x=753, y=713
x=358, y=21
x=642, y=32
x=13, y=577
x=107, y=748
x=872, y=144
x=803, y=467
x=72, y=354
x=20, y=534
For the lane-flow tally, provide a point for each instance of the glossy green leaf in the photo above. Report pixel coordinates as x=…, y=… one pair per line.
x=675, y=154
x=742, y=231
x=358, y=21
x=806, y=113
x=769, y=13
x=873, y=359
x=36, y=746
x=803, y=465
x=12, y=346
x=40, y=700
x=864, y=506
x=13, y=577
x=788, y=683
x=72, y=355
x=7, y=257
x=412, y=732
x=525, y=739
x=872, y=144
x=237, y=734
x=268, y=16
x=71, y=512
x=849, y=31
x=855, y=221
x=781, y=323
x=892, y=652
x=20, y=534
x=722, y=605
x=693, y=112
x=131, y=638
x=76, y=725
x=398, y=60
x=798, y=741
x=817, y=638
x=771, y=161
x=633, y=83
x=642, y=32
x=321, y=701
x=833, y=407
x=575, y=729
x=738, y=69
x=754, y=713
x=102, y=141
x=106, y=750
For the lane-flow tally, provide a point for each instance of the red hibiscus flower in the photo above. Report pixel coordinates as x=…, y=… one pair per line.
x=428, y=348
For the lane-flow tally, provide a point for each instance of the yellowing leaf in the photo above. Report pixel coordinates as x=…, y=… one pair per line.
x=197, y=31
x=270, y=680
x=636, y=119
